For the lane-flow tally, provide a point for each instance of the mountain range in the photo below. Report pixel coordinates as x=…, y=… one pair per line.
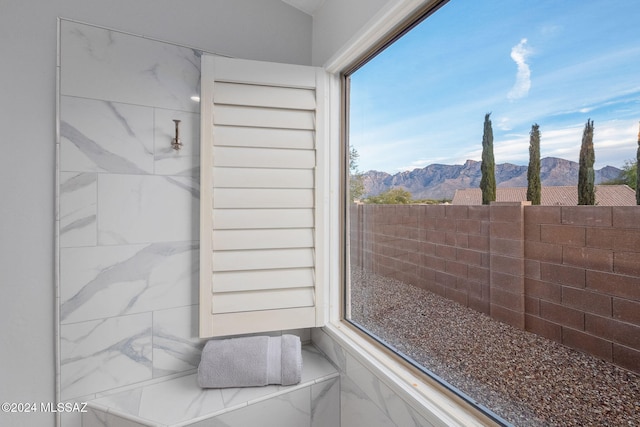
x=439, y=181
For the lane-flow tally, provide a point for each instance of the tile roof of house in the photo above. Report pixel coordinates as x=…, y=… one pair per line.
x=606, y=195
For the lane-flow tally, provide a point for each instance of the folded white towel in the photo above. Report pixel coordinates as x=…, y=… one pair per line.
x=251, y=361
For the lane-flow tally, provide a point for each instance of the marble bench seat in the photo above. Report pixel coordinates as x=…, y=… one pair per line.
x=314, y=402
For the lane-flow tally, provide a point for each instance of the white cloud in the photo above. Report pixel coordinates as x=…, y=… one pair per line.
x=519, y=54
x=504, y=123
x=614, y=141
x=551, y=30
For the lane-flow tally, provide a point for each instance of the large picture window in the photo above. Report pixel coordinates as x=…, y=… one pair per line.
x=509, y=305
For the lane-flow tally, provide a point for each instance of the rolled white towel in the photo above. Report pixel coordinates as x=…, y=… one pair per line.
x=251, y=361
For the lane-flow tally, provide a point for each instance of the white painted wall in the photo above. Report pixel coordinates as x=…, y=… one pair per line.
x=337, y=21
x=255, y=29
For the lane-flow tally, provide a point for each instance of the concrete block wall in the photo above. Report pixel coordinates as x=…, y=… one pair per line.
x=571, y=274
x=582, y=279
x=443, y=249
x=506, y=268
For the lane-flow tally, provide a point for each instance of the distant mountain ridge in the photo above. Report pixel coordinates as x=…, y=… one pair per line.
x=439, y=181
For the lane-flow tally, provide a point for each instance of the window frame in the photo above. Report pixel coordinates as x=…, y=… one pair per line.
x=411, y=381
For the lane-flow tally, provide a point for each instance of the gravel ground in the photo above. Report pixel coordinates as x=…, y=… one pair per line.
x=526, y=379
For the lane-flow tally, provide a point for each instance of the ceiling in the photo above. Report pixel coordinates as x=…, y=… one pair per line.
x=307, y=6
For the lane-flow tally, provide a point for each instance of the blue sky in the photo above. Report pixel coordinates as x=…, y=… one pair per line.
x=552, y=62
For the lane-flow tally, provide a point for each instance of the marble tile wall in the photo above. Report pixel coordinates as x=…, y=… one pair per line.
x=128, y=210
x=364, y=398
x=127, y=213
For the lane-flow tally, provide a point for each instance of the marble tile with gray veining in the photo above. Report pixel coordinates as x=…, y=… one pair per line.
x=104, y=136
x=400, y=411
x=77, y=209
x=165, y=403
x=375, y=390
x=330, y=348
x=317, y=364
x=176, y=346
x=106, y=281
x=144, y=209
x=104, y=354
x=290, y=409
x=356, y=409
x=96, y=418
x=93, y=418
x=325, y=403
x=387, y=401
x=129, y=69
x=186, y=160
x=153, y=403
x=241, y=395
x=187, y=401
x=365, y=386
x=73, y=419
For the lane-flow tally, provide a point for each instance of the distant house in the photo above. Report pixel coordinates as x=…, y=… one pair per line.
x=606, y=195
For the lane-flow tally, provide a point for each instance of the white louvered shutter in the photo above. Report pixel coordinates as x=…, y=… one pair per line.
x=259, y=217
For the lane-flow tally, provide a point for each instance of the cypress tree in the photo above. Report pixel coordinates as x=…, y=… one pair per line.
x=638, y=171
x=534, y=186
x=586, y=175
x=487, y=167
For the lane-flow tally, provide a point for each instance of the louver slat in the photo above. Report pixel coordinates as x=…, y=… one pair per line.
x=263, y=178
x=235, y=281
x=257, y=259
x=264, y=96
x=263, y=117
x=231, y=136
x=262, y=300
x=231, y=198
x=253, y=157
x=230, y=219
x=233, y=240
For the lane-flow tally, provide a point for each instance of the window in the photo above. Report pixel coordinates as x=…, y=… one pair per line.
x=457, y=290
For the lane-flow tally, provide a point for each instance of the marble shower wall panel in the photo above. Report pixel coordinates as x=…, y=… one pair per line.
x=104, y=136
x=173, y=348
x=108, y=281
x=105, y=354
x=142, y=208
x=78, y=209
x=112, y=66
x=128, y=210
